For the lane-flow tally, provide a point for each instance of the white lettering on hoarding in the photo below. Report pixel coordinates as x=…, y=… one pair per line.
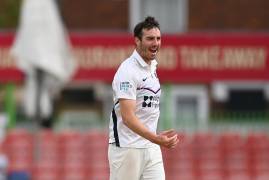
x=188, y=57
x=167, y=58
x=100, y=57
x=226, y=58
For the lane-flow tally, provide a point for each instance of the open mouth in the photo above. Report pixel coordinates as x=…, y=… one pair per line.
x=153, y=51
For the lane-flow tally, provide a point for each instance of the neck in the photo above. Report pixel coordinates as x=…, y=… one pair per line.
x=148, y=61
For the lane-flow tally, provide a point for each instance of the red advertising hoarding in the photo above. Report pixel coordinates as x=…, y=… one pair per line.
x=195, y=58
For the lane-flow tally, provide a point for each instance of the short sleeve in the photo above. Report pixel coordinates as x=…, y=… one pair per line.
x=124, y=84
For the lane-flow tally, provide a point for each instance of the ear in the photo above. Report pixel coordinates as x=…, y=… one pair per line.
x=137, y=41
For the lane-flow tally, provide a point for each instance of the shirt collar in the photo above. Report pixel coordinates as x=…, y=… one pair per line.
x=140, y=60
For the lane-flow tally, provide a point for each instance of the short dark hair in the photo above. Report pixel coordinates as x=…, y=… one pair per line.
x=148, y=23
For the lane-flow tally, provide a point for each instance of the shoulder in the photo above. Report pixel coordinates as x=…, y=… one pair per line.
x=127, y=69
x=128, y=64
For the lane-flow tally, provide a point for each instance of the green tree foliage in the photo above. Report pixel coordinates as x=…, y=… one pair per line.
x=9, y=13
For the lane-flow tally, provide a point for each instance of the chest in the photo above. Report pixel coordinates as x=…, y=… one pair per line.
x=148, y=84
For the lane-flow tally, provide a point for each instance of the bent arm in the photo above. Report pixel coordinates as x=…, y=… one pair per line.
x=127, y=108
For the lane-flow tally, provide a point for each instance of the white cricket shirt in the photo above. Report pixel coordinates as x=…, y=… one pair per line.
x=136, y=80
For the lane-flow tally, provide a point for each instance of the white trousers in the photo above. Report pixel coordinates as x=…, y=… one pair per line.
x=135, y=163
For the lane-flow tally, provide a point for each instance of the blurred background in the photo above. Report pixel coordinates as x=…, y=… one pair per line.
x=214, y=71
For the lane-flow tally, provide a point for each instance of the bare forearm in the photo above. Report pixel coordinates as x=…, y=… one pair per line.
x=127, y=108
x=133, y=123
x=167, y=138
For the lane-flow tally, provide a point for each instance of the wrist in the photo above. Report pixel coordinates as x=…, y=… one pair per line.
x=152, y=137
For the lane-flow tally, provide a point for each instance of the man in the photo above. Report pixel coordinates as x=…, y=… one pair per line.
x=134, y=147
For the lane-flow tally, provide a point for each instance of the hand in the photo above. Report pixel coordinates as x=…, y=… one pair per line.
x=168, y=139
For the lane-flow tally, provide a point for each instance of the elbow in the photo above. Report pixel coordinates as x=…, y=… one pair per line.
x=125, y=122
x=126, y=119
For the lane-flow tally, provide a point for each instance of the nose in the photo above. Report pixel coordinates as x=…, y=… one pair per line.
x=156, y=41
